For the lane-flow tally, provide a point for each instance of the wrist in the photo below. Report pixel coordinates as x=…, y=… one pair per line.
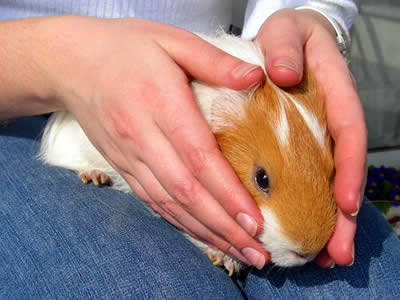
x=59, y=53
x=23, y=88
x=337, y=31
x=74, y=50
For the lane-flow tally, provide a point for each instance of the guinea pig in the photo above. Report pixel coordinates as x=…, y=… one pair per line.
x=275, y=139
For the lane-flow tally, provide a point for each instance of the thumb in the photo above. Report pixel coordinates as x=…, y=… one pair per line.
x=281, y=39
x=207, y=63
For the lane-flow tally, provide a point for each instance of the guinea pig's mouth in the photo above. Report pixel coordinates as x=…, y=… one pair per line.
x=305, y=257
x=299, y=255
x=290, y=258
x=284, y=251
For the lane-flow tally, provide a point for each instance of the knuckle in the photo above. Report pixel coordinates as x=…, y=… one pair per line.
x=124, y=128
x=199, y=158
x=283, y=17
x=120, y=124
x=139, y=193
x=186, y=36
x=183, y=192
x=154, y=207
x=287, y=16
x=175, y=126
x=170, y=207
x=125, y=122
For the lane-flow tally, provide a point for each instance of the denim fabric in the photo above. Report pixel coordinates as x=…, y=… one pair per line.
x=62, y=239
x=375, y=273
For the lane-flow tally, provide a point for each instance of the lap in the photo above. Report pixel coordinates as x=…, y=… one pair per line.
x=62, y=238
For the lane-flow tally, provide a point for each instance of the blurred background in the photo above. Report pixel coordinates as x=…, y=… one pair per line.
x=375, y=63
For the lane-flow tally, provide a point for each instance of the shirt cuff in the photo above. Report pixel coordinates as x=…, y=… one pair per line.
x=343, y=12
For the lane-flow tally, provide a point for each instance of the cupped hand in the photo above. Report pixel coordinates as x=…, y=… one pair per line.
x=290, y=39
x=126, y=82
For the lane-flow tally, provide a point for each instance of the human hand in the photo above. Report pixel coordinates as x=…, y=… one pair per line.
x=126, y=82
x=289, y=39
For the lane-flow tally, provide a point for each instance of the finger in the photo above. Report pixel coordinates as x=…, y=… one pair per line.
x=281, y=39
x=346, y=124
x=350, y=161
x=136, y=175
x=197, y=147
x=162, y=203
x=140, y=192
x=207, y=63
x=144, y=196
x=347, y=127
x=345, y=118
x=324, y=260
x=168, y=168
x=178, y=182
x=341, y=246
x=149, y=190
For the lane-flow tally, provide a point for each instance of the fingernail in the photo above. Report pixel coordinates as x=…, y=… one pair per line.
x=248, y=223
x=242, y=70
x=255, y=257
x=331, y=265
x=236, y=253
x=352, y=253
x=354, y=214
x=281, y=62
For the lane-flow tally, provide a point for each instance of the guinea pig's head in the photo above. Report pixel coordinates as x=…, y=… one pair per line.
x=279, y=146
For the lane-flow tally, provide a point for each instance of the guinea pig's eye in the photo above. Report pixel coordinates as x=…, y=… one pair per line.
x=261, y=180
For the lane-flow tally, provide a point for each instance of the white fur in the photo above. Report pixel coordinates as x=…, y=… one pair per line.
x=280, y=247
x=214, y=102
x=64, y=144
x=311, y=121
x=244, y=49
x=282, y=127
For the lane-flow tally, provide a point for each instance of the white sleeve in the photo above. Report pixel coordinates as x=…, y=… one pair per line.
x=257, y=11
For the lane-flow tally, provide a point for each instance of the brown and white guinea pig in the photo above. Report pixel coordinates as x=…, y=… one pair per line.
x=276, y=141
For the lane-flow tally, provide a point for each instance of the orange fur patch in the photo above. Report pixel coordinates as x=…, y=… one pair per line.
x=300, y=173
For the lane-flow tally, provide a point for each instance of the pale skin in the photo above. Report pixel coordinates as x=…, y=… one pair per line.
x=126, y=82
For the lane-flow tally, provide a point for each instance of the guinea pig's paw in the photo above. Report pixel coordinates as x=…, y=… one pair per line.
x=97, y=177
x=219, y=258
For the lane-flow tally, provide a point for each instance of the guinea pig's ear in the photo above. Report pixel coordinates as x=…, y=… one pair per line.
x=231, y=143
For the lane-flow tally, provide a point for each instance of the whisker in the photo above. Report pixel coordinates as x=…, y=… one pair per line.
x=245, y=280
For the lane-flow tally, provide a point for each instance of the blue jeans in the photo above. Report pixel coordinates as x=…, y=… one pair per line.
x=62, y=239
